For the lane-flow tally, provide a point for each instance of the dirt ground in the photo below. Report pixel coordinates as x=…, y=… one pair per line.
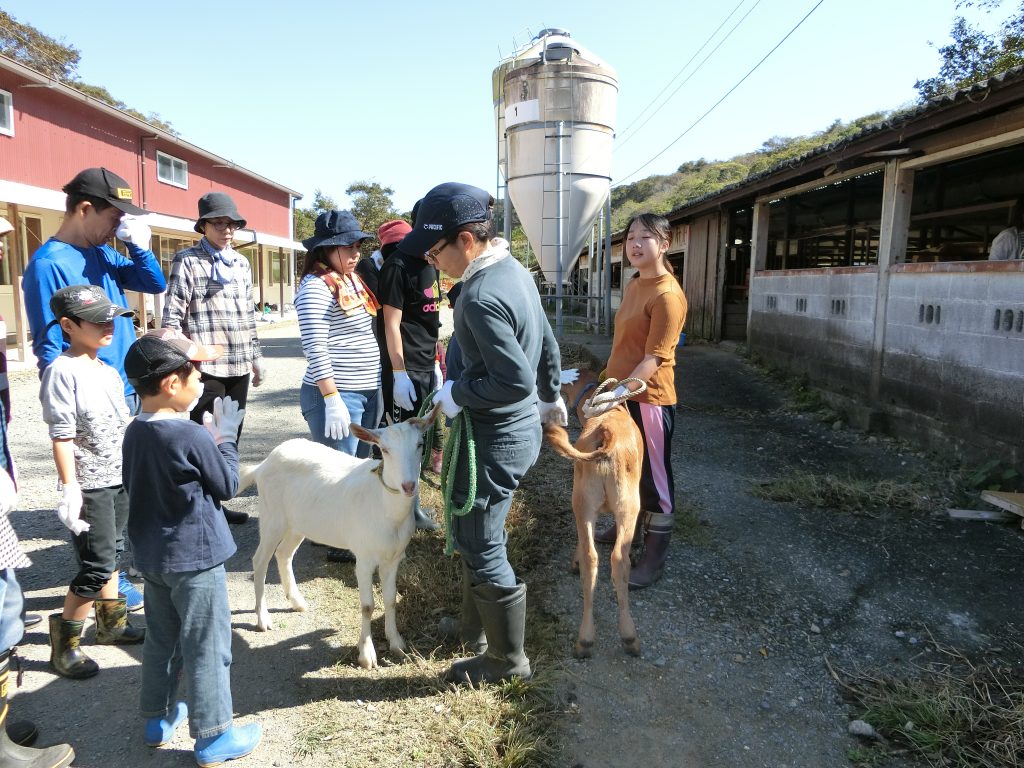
x=735, y=634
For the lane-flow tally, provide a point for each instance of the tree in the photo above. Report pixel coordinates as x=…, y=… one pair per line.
x=27, y=45
x=974, y=55
x=304, y=219
x=371, y=204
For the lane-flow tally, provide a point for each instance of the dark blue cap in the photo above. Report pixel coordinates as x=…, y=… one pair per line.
x=335, y=228
x=444, y=209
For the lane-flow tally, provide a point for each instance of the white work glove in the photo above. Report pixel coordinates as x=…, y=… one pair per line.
x=259, y=371
x=403, y=393
x=132, y=230
x=8, y=494
x=225, y=420
x=448, y=405
x=569, y=376
x=438, y=376
x=69, y=510
x=603, y=402
x=336, y=417
x=553, y=413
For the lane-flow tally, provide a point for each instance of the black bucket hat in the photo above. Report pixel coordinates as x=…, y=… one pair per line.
x=335, y=228
x=213, y=205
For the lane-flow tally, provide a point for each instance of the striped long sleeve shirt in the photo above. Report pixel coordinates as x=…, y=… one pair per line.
x=336, y=345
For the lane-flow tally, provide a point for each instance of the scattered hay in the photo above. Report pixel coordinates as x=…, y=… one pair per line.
x=847, y=494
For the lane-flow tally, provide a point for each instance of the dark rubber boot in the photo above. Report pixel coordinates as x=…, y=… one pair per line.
x=15, y=756
x=471, y=629
x=606, y=535
x=112, y=626
x=66, y=658
x=503, y=616
x=652, y=562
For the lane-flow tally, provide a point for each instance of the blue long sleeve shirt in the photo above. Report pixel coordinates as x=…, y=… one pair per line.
x=57, y=265
x=175, y=476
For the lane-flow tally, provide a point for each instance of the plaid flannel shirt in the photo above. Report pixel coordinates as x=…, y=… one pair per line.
x=211, y=313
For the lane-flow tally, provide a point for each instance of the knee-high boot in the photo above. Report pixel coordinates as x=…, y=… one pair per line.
x=503, y=616
x=652, y=561
x=14, y=756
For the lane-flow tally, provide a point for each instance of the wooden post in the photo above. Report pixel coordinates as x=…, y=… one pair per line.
x=758, y=253
x=897, y=195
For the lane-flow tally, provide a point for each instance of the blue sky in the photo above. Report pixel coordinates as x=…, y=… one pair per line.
x=319, y=95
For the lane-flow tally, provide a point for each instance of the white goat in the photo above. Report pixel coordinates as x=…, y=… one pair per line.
x=308, y=490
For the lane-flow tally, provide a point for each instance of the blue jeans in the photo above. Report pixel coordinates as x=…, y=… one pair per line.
x=504, y=453
x=12, y=627
x=188, y=628
x=362, y=407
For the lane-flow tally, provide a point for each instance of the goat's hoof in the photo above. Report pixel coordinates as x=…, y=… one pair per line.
x=263, y=622
x=583, y=649
x=368, y=662
x=299, y=604
x=631, y=645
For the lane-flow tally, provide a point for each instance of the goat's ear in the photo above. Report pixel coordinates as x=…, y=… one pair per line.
x=432, y=416
x=366, y=435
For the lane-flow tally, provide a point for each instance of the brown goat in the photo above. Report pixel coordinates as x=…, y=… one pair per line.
x=606, y=477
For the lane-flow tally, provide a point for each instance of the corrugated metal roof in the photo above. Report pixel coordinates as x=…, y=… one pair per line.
x=898, y=120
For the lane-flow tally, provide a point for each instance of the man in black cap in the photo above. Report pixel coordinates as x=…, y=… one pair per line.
x=79, y=254
x=508, y=386
x=209, y=299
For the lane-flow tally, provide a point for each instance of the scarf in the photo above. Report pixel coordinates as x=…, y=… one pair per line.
x=224, y=263
x=349, y=291
x=498, y=250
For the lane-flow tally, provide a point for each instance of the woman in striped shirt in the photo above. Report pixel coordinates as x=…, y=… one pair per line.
x=336, y=314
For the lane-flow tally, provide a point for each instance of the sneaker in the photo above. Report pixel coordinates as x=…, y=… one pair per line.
x=237, y=741
x=127, y=590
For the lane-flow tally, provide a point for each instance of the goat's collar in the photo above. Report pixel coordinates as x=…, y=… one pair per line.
x=583, y=393
x=379, y=472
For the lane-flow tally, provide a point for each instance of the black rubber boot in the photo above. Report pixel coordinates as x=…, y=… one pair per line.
x=15, y=756
x=471, y=630
x=503, y=616
x=112, y=625
x=66, y=658
x=652, y=562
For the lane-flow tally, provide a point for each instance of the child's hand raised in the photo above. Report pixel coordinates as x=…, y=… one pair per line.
x=225, y=420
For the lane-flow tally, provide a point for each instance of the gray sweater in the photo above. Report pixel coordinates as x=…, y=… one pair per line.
x=508, y=350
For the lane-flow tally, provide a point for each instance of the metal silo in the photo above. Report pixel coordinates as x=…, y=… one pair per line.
x=555, y=108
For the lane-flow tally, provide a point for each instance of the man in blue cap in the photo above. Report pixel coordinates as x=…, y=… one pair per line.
x=509, y=385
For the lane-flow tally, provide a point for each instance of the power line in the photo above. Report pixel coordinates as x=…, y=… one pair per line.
x=695, y=71
x=727, y=94
x=683, y=69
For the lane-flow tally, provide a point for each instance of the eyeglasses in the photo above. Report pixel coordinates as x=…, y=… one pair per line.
x=432, y=254
x=222, y=225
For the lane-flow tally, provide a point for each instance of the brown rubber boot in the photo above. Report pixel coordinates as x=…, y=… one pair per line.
x=652, y=562
x=606, y=535
x=15, y=756
x=112, y=626
x=66, y=658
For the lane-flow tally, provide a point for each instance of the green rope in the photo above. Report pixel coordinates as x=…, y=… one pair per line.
x=461, y=428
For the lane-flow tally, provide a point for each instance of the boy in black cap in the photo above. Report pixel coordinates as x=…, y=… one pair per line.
x=176, y=473
x=84, y=406
x=78, y=254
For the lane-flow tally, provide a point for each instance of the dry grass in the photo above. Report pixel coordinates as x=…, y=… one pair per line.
x=951, y=714
x=403, y=714
x=848, y=494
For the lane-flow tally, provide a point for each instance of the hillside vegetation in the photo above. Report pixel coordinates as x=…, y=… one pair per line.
x=696, y=178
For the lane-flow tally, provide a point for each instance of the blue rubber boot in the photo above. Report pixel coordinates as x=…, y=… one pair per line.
x=160, y=730
x=132, y=596
x=237, y=741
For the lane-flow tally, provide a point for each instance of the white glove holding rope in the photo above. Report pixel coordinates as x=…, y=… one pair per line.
x=553, y=413
x=569, y=376
x=225, y=420
x=336, y=417
x=69, y=510
x=448, y=405
x=403, y=392
x=132, y=230
x=604, y=402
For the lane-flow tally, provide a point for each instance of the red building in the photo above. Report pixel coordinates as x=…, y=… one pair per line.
x=50, y=131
